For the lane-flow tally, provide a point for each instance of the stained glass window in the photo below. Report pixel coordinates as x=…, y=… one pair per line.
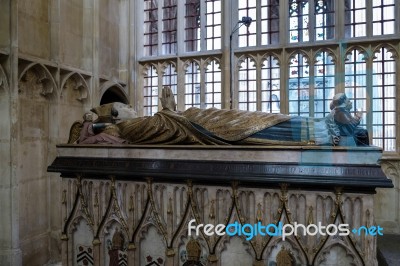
x=169, y=27
x=150, y=92
x=270, y=86
x=247, y=85
x=356, y=82
x=269, y=22
x=324, y=83
x=384, y=100
x=324, y=20
x=170, y=77
x=355, y=24
x=298, y=21
x=192, y=25
x=150, y=27
x=192, y=86
x=247, y=35
x=213, y=24
x=293, y=73
x=383, y=21
x=213, y=91
x=299, y=93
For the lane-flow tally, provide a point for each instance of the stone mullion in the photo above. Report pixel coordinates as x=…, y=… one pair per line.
x=311, y=81
x=258, y=65
x=397, y=71
x=180, y=90
x=284, y=83
x=95, y=99
x=11, y=251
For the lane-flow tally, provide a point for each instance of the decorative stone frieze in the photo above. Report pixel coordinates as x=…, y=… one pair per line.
x=151, y=210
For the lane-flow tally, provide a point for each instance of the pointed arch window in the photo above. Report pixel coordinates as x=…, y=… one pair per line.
x=247, y=85
x=213, y=86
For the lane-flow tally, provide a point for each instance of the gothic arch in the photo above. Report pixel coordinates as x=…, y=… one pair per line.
x=242, y=58
x=268, y=56
x=187, y=63
x=115, y=91
x=357, y=48
x=328, y=51
x=208, y=61
x=296, y=52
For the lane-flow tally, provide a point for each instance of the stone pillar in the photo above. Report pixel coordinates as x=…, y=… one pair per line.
x=64, y=250
x=131, y=254
x=10, y=252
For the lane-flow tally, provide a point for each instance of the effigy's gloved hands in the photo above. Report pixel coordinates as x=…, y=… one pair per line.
x=167, y=99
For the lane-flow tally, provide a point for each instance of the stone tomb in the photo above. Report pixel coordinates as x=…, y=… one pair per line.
x=131, y=205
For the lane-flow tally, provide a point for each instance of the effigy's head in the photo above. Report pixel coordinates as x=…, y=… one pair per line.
x=109, y=111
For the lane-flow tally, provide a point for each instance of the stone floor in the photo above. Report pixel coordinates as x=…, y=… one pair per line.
x=389, y=250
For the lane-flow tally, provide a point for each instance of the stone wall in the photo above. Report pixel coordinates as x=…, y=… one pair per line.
x=53, y=68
